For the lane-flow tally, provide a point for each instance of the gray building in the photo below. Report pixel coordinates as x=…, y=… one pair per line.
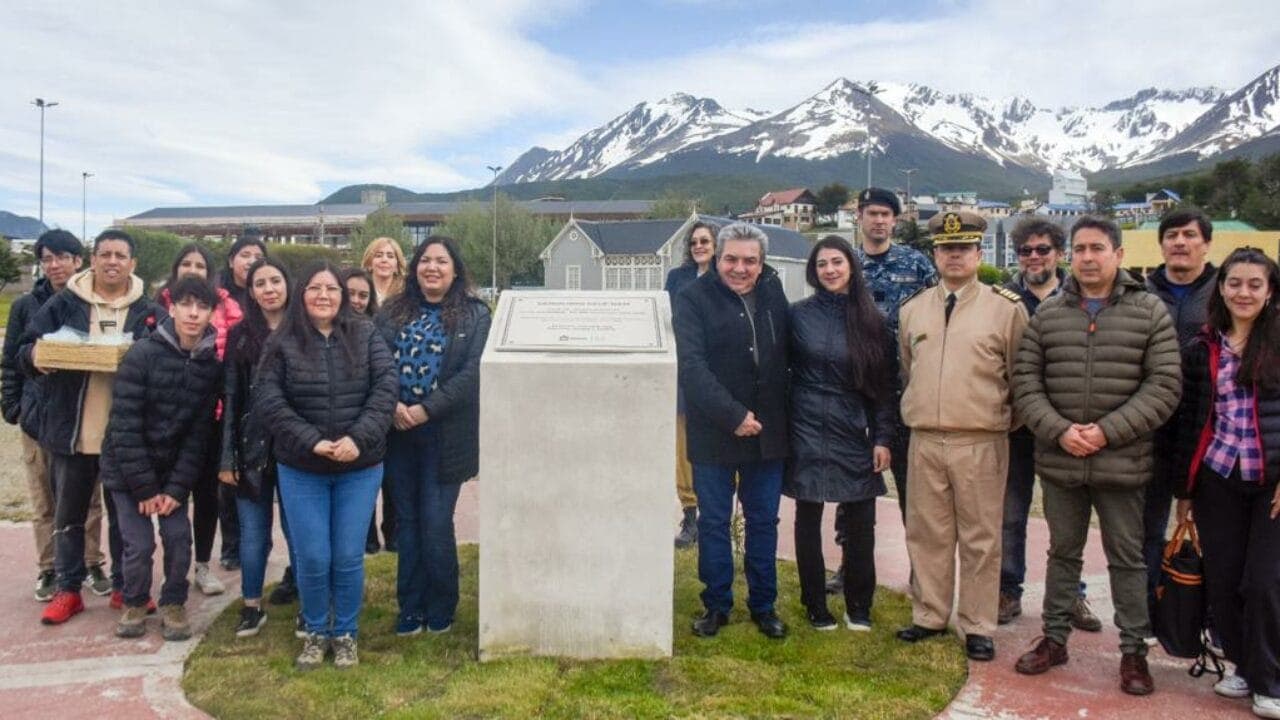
x=637, y=254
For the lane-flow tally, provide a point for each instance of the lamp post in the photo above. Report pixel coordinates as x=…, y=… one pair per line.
x=909, y=172
x=84, y=202
x=42, y=104
x=870, y=143
x=494, y=267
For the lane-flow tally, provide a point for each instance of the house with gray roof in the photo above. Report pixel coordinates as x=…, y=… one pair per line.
x=637, y=254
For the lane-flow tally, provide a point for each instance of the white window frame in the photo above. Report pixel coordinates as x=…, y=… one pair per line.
x=572, y=277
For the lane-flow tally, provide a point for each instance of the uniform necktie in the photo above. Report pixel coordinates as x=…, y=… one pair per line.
x=951, y=305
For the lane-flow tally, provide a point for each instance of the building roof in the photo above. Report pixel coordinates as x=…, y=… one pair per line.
x=783, y=242
x=1066, y=207
x=255, y=212
x=783, y=197
x=1218, y=226
x=991, y=204
x=630, y=237
x=1132, y=206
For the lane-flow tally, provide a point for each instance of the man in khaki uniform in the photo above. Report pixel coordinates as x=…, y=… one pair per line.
x=957, y=341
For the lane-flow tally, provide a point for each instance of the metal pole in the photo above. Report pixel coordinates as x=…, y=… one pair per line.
x=42, y=104
x=909, y=172
x=84, y=202
x=494, y=259
x=870, y=140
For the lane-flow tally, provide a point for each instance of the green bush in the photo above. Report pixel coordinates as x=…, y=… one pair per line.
x=992, y=275
x=295, y=257
x=155, y=252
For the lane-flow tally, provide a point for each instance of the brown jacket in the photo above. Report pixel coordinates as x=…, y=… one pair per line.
x=1120, y=370
x=956, y=375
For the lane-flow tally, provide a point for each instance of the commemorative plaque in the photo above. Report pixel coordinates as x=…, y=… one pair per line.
x=582, y=322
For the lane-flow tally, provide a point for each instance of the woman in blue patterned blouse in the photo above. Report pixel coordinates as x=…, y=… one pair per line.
x=437, y=330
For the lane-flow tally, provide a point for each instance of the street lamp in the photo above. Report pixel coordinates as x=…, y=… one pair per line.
x=84, y=201
x=42, y=104
x=909, y=172
x=870, y=141
x=494, y=267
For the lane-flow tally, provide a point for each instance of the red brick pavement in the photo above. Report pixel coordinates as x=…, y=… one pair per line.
x=85, y=672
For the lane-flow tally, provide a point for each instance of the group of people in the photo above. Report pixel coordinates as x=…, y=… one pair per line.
x=1119, y=394
x=321, y=388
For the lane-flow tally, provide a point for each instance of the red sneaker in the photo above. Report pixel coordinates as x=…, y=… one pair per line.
x=62, y=608
x=117, y=602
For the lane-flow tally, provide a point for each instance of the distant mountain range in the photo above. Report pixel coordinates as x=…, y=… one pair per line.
x=20, y=226
x=954, y=140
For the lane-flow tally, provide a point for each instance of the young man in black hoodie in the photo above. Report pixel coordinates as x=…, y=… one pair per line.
x=104, y=300
x=60, y=256
x=157, y=441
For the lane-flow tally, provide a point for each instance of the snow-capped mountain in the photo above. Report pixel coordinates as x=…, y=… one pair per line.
x=914, y=124
x=1248, y=113
x=645, y=134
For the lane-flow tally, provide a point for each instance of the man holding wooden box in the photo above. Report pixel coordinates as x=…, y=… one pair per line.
x=105, y=300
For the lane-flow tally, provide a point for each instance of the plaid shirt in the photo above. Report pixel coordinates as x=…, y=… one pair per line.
x=1235, y=436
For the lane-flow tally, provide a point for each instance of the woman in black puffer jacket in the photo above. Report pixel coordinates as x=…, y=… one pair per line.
x=326, y=389
x=1228, y=457
x=843, y=382
x=157, y=440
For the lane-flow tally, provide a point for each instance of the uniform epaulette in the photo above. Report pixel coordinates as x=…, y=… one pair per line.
x=908, y=298
x=1006, y=293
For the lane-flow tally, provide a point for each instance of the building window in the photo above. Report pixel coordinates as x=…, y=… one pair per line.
x=573, y=277
x=632, y=272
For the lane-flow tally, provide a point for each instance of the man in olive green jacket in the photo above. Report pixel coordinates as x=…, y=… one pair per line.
x=1097, y=373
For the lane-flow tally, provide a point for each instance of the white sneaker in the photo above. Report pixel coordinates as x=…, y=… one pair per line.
x=858, y=625
x=206, y=582
x=1232, y=686
x=1267, y=707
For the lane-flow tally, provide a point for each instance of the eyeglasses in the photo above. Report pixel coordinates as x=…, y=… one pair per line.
x=1041, y=250
x=701, y=241
x=323, y=290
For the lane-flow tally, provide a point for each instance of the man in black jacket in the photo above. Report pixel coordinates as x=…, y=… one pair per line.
x=59, y=253
x=1184, y=282
x=731, y=342
x=104, y=300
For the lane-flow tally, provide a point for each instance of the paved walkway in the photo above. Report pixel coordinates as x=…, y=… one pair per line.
x=85, y=672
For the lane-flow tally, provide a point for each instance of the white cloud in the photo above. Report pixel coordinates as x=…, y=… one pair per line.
x=261, y=102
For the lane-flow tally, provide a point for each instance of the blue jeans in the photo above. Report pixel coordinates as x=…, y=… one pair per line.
x=328, y=517
x=1017, y=508
x=759, y=489
x=427, y=566
x=255, y=541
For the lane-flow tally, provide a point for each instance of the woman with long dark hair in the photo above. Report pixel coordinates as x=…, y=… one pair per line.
x=207, y=501
x=437, y=330
x=244, y=252
x=326, y=390
x=245, y=462
x=1228, y=429
x=844, y=380
x=699, y=257
x=360, y=292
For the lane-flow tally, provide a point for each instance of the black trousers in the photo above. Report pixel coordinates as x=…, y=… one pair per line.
x=211, y=503
x=856, y=524
x=388, y=514
x=75, y=480
x=1242, y=572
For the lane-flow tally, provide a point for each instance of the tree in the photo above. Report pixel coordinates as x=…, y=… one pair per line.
x=155, y=251
x=1103, y=203
x=1262, y=206
x=522, y=236
x=831, y=197
x=673, y=205
x=10, y=268
x=379, y=223
x=908, y=232
x=1232, y=180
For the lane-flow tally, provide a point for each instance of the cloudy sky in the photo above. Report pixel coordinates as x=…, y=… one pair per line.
x=267, y=101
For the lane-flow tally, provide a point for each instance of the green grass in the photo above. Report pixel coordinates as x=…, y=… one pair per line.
x=6, y=302
x=737, y=674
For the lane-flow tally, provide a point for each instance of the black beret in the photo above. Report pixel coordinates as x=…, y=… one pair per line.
x=879, y=196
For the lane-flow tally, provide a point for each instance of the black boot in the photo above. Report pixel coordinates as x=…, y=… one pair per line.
x=287, y=591
x=688, y=528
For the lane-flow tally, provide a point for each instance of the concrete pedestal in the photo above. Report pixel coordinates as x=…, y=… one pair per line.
x=577, y=468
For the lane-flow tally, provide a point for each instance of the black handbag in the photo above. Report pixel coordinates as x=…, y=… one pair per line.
x=1180, y=601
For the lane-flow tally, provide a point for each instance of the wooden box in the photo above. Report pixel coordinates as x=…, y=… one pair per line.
x=92, y=357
